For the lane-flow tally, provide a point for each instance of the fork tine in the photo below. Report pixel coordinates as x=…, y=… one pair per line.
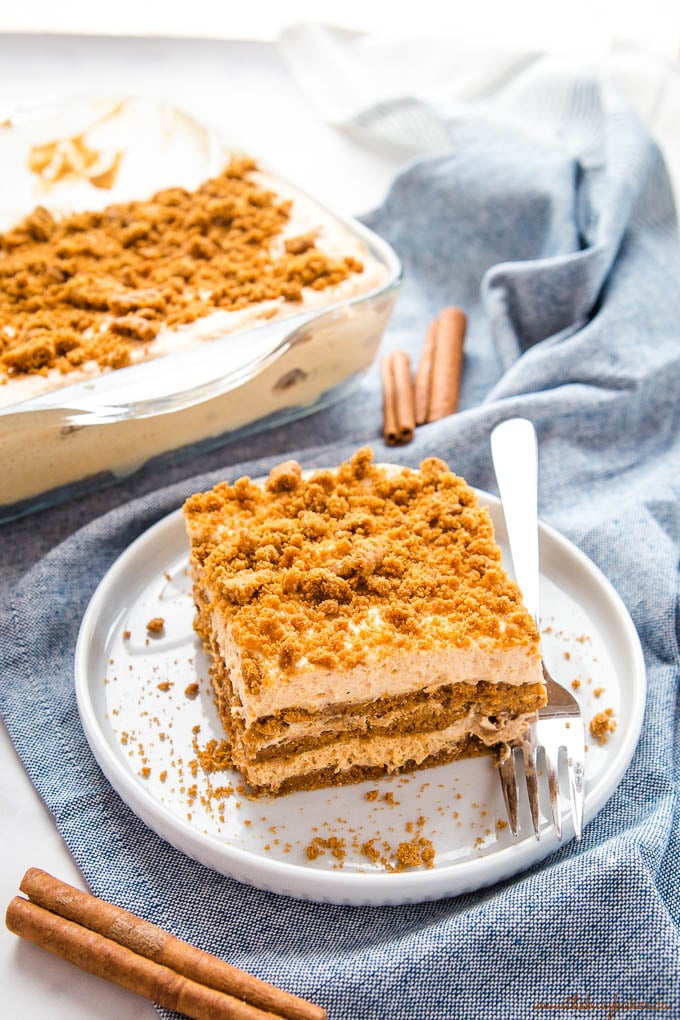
x=514, y=457
x=529, y=749
x=575, y=770
x=553, y=790
x=508, y=775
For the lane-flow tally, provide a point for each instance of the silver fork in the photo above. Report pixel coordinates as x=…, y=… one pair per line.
x=559, y=728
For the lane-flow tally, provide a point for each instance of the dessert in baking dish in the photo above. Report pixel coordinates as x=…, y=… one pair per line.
x=98, y=290
x=137, y=234
x=358, y=621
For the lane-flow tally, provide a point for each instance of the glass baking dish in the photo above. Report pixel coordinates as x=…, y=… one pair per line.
x=91, y=433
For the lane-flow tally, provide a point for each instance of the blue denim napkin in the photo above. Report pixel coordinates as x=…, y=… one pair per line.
x=569, y=267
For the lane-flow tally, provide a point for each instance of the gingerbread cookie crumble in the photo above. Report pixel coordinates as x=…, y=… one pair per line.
x=603, y=725
x=215, y=756
x=318, y=554
x=98, y=286
x=415, y=853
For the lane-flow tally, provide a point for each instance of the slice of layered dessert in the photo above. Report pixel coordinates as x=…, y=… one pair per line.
x=359, y=621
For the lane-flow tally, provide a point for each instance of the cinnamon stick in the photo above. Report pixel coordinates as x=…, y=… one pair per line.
x=148, y=940
x=423, y=379
x=107, y=959
x=447, y=363
x=399, y=420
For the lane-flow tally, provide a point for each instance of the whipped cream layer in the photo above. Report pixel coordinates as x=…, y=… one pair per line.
x=387, y=752
x=312, y=689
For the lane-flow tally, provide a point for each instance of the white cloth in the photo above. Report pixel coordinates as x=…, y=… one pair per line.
x=408, y=97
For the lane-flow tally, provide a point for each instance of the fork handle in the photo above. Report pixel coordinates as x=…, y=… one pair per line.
x=514, y=452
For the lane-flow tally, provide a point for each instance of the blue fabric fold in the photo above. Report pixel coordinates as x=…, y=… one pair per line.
x=569, y=269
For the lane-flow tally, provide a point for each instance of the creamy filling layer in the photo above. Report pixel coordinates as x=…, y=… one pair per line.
x=283, y=735
x=388, y=752
x=312, y=689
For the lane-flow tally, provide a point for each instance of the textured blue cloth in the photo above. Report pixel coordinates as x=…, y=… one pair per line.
x=570, y=270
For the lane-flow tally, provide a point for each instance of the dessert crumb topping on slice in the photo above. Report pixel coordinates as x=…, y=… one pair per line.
x=307, y=568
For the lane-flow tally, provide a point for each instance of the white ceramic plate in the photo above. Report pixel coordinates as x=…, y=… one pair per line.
x=150, y=730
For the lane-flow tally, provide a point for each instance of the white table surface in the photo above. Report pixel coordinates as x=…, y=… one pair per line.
x=246, y=89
